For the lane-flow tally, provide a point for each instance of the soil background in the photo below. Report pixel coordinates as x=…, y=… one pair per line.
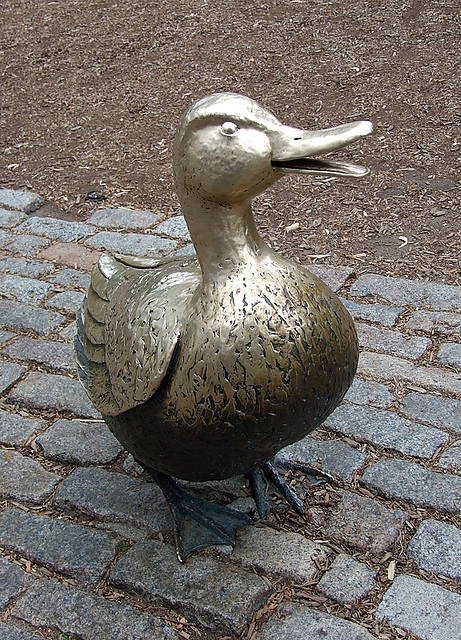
x=91, y=92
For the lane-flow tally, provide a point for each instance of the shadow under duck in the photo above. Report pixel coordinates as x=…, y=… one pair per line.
x=205, y=367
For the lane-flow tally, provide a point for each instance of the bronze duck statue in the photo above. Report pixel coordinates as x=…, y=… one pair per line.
x=205, y=367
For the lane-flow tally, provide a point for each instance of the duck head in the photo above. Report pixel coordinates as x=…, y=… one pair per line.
x=228, y=149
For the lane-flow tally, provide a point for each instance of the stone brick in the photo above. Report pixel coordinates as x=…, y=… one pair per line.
x=124, y=218
x=22, y=317
x=436, y=547
x=56, y=229
x=288, y=555
x=219, y=596
x=26, y=246
x=16, y=430
x=10, y=219
x=403, y=480
x=347, y=580
x=369, y=392
x=10, y=632
x=451, y=459
x=73, y=550
x=23, y=267
x=5, y=238
x=13, y=581
x=6, y=336
x=378, y=313
x=427, y=610
x=435, y=322
x=450, y=354
x=334, y=277
x=384, y=367
x=438, y=411
x=299, y=622
x=25, y=479
x=9, y=374
x=188, y=250
x=364, y=524
x=67, y=301
x=439, y=297
x=175, y=227
x=134, y=244
x=114, y=497
x=71, y=254
x=336, y=458
x=386, y=429
x=53, y=392
x=393, y=342
x=47, y=353
x=70, y=279
x=25, y=290
x=58, y=606
x=25, y=201
x=83, y=443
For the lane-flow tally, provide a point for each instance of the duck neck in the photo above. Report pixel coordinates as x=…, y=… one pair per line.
x=225, y=237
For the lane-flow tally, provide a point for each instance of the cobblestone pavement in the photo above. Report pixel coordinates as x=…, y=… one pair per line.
x=85, y=539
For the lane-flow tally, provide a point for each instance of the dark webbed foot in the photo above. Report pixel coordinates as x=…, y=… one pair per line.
x=197, y=522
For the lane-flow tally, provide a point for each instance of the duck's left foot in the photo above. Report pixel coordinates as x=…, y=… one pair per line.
x=270, y=471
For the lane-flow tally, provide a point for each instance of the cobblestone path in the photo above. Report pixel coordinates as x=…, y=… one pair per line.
x=85, y=539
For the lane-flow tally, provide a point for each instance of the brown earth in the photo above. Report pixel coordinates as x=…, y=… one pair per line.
x=91, y=92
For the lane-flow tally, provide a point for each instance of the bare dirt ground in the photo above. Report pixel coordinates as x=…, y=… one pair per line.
x=91, y=92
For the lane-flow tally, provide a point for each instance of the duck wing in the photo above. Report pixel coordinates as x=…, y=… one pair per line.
x=129, y=325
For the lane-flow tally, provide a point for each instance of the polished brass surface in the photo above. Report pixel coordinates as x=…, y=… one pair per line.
x=205, y=367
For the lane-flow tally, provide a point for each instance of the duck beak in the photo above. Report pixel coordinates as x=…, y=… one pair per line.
x=296, y=150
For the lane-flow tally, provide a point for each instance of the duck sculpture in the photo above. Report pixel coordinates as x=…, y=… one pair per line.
x=205, y=367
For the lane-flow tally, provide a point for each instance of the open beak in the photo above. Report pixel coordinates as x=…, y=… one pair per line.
x=296, y=150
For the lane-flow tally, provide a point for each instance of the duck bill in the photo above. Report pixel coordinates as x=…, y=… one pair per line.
x=296, y=150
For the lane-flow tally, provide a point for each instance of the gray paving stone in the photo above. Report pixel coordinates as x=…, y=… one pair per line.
x=26, y=246
x=336, y=458
x=219, y=596
x=16, y=430
x=438, y=411
x=134, y=244
x=25, y=201
x=10, y=219
x=9, y=374
x=403, y=480
x=10, y=632
x=386, y=429
x=6, y=336
x=58, y=606
x=23, y=267
x=299, y=622
x=289, y=555
x=56, y=229
x=73, y=550
x=124, y=218
x=385, y=368
x=175, y=227
x=450, y=354
x=436, y=547
x=379, y=313
x=67, y=301
x=68, y=333
x=427, y=610
x=53, y=392
x=25, y=290
x=70, y=279
x=83, y=443
x=364, y=523
x=188, y=250
x=334, y=277
x=22, y=317
x=347, y=580
x=5, y=238
x=435, y=321
x=393, y=342
x=439, y=297
x=25, y=479
x=123, y=530
x=13, y=581
x=53, y=355
x=451, y=459
x=369, y=392
x=114, y=497
x=71, y=255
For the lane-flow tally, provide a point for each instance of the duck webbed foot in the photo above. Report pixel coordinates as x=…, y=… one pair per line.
x=197, y=522
x=270, y=471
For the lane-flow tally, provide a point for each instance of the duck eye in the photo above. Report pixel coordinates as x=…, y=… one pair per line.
x=229, y=128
